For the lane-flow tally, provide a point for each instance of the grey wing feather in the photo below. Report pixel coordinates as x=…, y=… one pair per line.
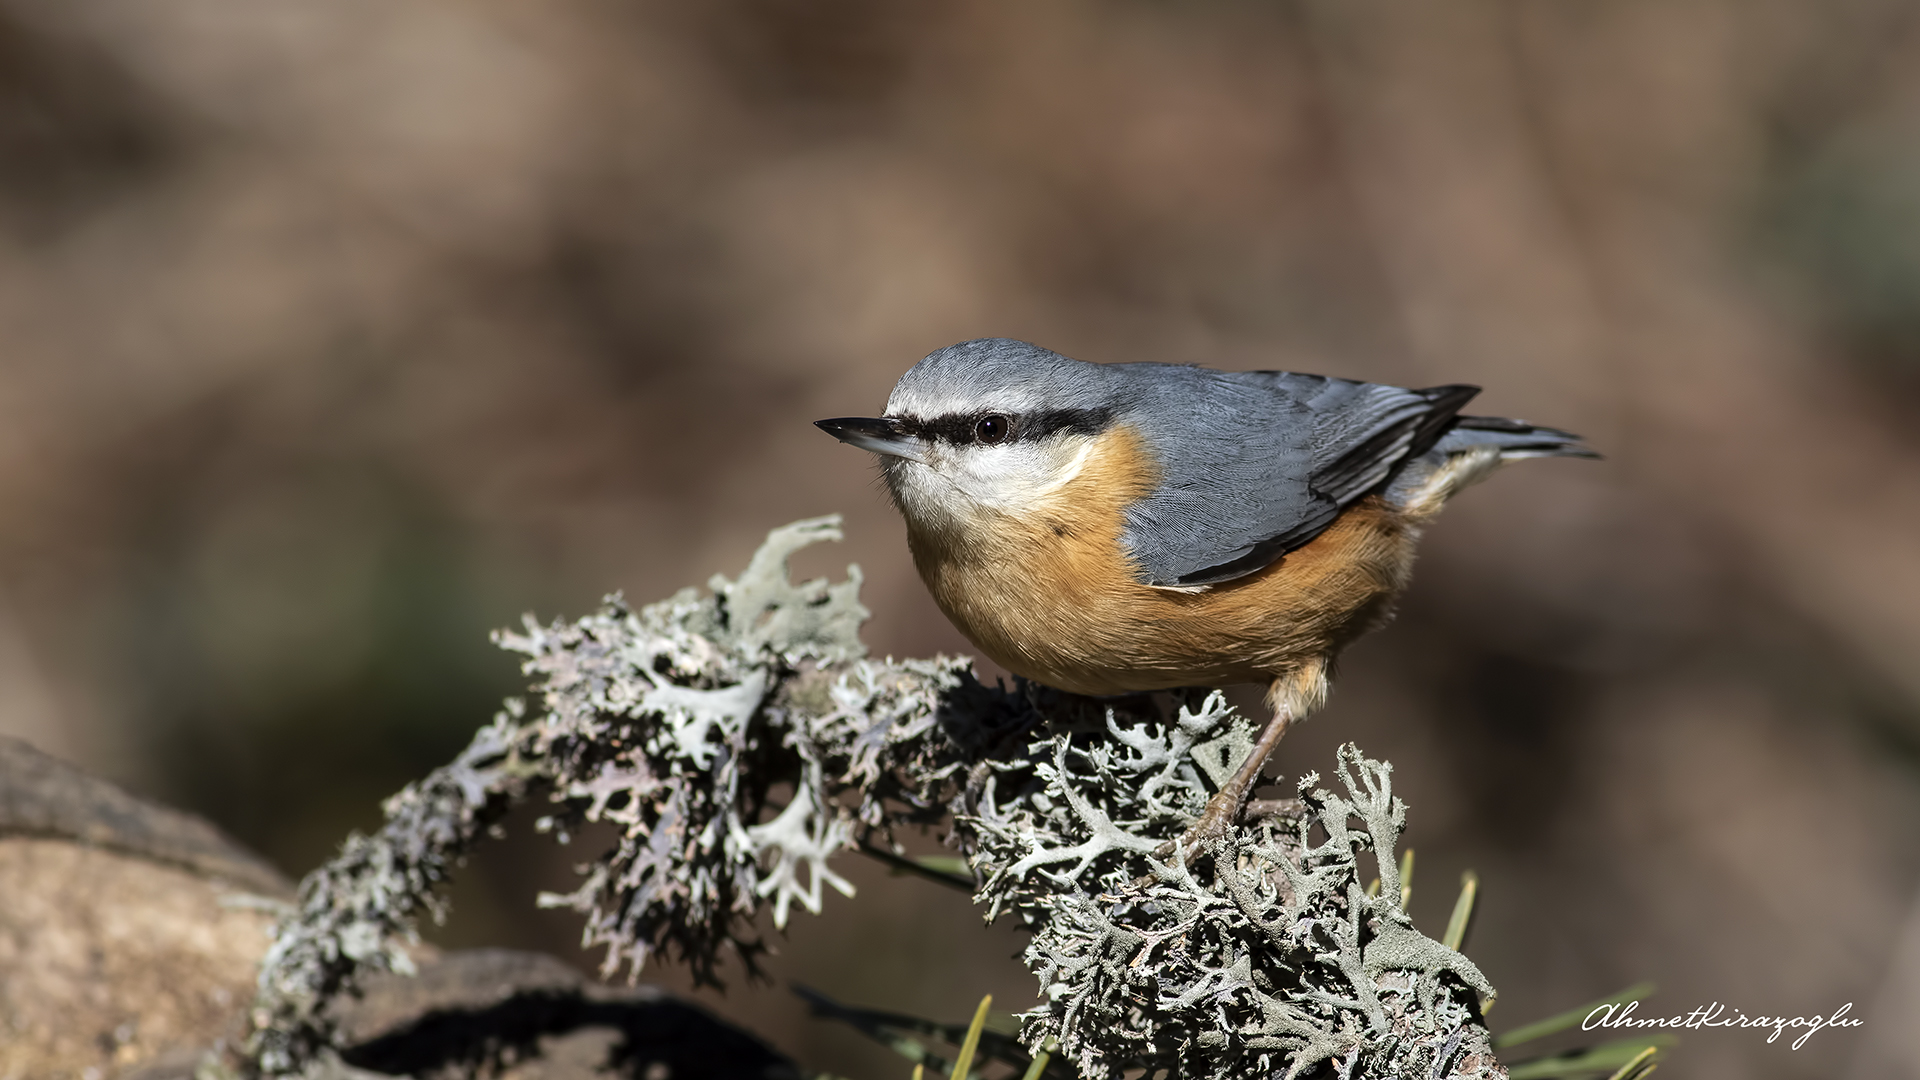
x=1408, y=423
x=1255, y=464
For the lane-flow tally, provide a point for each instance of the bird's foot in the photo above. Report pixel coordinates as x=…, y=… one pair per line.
x=1219, y=816
x=1214, y=822
x=1226, y=807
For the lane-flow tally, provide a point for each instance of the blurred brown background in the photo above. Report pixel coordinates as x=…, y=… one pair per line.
x=334, y=334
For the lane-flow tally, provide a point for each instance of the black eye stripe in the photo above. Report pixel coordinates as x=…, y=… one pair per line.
x=1078, y=421
x=958, y=428
x=951, y=428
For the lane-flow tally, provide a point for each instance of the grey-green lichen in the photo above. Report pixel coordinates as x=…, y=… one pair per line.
x=1267, y=957
x=685, y=724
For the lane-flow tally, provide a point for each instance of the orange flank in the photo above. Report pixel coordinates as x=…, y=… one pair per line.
x=1051, y=594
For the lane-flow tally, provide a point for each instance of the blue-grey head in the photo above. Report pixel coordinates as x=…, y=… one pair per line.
x=985, y=425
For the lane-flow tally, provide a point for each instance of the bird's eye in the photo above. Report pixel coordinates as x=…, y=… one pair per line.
x=992, y=428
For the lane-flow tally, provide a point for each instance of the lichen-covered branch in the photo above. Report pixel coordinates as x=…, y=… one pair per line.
x=354, y=914
x=1267, y=958
x=737, y=740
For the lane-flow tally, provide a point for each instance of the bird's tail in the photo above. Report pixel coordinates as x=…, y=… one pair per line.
x=1470, y=449
x=1513, y=439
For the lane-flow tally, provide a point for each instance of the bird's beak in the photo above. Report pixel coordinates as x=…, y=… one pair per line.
x=878, y=434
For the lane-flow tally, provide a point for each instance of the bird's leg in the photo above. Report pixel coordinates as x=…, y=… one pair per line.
x=1223, y=810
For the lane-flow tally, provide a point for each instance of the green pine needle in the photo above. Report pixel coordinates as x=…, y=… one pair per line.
x=965, y=1061
x=1456, y=936
x=945, y=864
x=1618, y=1060
x=1641, y=1065
x=1039, y=1066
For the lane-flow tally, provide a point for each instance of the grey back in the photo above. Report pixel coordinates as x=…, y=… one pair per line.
x=1255, y=464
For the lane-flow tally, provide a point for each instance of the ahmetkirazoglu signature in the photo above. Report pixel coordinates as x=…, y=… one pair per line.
x=1714, y=1016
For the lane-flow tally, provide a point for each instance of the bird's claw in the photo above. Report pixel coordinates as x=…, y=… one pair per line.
x=1214, y=823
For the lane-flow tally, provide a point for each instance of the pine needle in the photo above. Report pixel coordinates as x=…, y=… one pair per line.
x=965, y=1061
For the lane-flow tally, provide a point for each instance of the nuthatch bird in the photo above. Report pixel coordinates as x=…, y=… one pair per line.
x=1119, y=528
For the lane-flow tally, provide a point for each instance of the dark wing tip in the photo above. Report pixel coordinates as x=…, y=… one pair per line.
x=1443, y=405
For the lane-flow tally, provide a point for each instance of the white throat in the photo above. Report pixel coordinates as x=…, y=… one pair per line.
x=960, y=488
